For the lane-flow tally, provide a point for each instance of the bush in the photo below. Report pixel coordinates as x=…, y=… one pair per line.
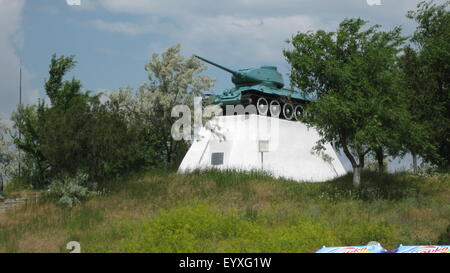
x=203, y=228
x=69, y=191
x=75, y=131
x=17, y=185
x=444, y=238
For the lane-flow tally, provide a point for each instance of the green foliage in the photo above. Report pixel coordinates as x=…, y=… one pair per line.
x=299, y=219
x=213, y=211
x=365, y=232
x=444, y=238
x=82, y=218
x=90, y=137
x=75, y=133
x=378, y=186
x=173, y=80
x=17, y=185
x=420, y=142
x=201, y=228
x=426, y=72
x=353, y=73
x=62, y=93
x=27, y=120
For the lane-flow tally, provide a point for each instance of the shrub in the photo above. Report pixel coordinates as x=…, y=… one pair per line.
x=75, y=131
x=69, y=191
x=444, y=238
x=16, y=186
x=202, y=228
x=361, y=232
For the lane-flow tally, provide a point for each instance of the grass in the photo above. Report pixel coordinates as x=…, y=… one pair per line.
x=161, y=211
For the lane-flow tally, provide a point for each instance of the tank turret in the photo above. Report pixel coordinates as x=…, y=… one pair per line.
x=262, y=87
x=268, y=75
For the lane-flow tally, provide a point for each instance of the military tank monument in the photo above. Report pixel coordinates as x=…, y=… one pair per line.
x=262, y=87
x=263, y=139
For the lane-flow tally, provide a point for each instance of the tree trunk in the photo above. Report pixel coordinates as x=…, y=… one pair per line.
x=380, y=156
x=357, y=168
x=362, y=161
x=414, y=157
x=357, y=176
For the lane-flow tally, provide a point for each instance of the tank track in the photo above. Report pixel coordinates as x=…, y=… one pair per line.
x=275, y=106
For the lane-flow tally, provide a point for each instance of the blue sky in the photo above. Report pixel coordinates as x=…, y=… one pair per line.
x=113, y=39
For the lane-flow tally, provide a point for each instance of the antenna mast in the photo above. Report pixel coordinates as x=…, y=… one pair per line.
x=20, y=104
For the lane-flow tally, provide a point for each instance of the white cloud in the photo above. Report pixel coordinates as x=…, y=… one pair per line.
x=234, y=41
x=233, y=35
x=10, y=17
x=253, y=8
x=11, y=39
x=121, y=27
x=73, y=2
x=250, y=39
x=84, y=4
x=150, y=25
x=241, y=31
x=237, y=33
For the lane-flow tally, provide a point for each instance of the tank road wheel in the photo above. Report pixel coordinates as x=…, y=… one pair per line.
x=288, y=111
x=275, y=108
x=246, y=100
x=263, y=106
x=298, y=112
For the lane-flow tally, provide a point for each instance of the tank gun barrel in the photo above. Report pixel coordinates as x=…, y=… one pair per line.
x=236, y=74
x=217, y=65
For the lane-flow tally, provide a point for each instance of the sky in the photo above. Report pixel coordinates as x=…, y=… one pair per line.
x=114, y=39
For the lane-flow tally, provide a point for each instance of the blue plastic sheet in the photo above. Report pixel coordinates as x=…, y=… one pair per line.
x=353, y=249
x=423, y=249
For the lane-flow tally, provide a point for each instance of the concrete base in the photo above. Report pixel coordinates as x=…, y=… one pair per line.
x=282, y=148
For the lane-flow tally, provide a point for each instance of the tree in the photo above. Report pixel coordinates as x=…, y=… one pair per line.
x=173, y=80
x=75, y=133
x=411, y=74
x=8, y=155
x=353, y=74
x=30, y=120
x=26, y=121
x=429, y=81
x=62, y=92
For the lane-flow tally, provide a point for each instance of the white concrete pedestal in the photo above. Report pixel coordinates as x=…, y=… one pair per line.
x=280, y=147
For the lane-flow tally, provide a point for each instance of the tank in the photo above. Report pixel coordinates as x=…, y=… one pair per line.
x=264, y=88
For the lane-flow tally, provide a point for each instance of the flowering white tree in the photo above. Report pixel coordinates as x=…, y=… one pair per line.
x=8, y=155
x=173, y=80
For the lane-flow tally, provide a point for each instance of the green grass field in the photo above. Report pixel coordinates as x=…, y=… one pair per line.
x=161, y=211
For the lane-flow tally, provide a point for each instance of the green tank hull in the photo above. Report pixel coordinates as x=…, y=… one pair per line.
x=234, y=96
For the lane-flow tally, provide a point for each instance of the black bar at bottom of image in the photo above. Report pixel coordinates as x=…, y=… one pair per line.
x=229, y=262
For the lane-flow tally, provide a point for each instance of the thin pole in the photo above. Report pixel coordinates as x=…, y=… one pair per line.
x=20, y=85
x=262, y=160
x=20, y=104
